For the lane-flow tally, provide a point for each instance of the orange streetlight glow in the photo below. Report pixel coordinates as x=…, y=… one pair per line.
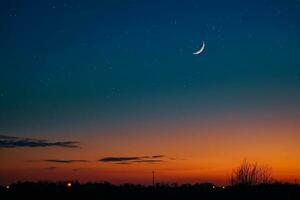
x=69, y=184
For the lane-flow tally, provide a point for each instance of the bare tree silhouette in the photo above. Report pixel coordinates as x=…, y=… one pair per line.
x=248, y=174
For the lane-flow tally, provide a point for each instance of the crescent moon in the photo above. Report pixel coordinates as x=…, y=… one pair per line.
x=200, y=50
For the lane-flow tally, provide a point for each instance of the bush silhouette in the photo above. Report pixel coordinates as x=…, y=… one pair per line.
x=249, y=174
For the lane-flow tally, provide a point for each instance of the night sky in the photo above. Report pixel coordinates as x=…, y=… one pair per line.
x=110, y=90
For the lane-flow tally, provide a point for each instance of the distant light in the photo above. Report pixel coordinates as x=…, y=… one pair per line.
x=214, y=187
x=69, y=184
x=223, y=187
x=7, y=187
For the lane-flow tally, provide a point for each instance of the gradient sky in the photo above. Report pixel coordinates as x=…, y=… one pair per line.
x=119, y=78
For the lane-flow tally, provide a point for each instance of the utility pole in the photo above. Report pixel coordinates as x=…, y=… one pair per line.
x=153, y=181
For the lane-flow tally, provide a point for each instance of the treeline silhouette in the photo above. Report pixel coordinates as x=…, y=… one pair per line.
x=105, y=190
x=247, y=181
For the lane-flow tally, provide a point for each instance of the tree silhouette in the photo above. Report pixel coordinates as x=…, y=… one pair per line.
x=248, y=174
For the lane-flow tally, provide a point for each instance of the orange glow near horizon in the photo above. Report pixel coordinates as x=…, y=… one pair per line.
x=195, y=151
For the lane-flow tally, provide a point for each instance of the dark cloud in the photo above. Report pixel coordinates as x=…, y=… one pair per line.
x=133, y=159
x=15, y=142
x=65, y=161
x=118, y=159
x=158, y=156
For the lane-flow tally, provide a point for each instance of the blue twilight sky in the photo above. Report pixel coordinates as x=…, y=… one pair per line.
x=73, y=64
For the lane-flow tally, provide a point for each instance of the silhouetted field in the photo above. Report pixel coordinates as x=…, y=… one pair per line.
x=61, y=190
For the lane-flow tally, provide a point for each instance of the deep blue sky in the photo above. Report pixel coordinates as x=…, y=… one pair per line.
x=107, y=62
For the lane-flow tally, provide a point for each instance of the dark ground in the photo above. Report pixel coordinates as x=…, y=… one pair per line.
x=60, y=190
